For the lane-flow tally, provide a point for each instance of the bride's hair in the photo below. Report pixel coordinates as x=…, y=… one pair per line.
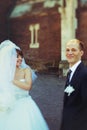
x=19, y=53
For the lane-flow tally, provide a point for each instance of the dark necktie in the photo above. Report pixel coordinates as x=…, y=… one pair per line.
x=68, y=77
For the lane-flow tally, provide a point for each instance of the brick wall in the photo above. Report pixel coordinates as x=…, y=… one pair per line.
x=48, y=37
x=82, y=28
x=5, y=7
x=49, y=34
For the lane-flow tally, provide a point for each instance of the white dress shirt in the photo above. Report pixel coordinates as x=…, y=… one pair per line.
x=73, y=68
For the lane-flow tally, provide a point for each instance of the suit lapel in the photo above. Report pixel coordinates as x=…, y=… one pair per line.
x=76, y=74
x=74, y=81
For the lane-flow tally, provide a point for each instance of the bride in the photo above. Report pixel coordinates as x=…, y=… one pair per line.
x=18, y=111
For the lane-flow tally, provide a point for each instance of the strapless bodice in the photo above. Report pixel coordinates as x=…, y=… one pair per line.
x=19, y=92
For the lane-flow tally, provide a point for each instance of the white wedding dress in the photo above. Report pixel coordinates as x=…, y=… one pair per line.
x=18, y=111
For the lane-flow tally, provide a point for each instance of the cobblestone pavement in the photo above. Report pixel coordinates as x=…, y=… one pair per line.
x=48, y=93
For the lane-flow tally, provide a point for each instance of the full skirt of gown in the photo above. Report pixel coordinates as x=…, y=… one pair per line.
x=21, y=113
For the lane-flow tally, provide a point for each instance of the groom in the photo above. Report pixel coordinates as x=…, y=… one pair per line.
x=74, y=116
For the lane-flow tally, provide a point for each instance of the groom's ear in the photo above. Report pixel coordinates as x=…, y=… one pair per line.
x=82, y=52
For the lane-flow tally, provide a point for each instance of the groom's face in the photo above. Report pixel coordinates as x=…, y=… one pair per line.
x=73, y=52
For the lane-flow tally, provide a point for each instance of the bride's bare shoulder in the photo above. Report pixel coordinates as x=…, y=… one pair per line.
x=27, y=70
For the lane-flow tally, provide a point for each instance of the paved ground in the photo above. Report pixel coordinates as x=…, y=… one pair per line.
x=47, y=92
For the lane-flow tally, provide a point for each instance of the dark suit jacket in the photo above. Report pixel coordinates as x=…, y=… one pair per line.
x=75, y=106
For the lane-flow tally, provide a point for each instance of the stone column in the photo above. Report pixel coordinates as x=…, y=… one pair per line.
x=68, y=26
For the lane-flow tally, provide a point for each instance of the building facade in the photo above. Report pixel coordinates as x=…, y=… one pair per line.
x=42, y=28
